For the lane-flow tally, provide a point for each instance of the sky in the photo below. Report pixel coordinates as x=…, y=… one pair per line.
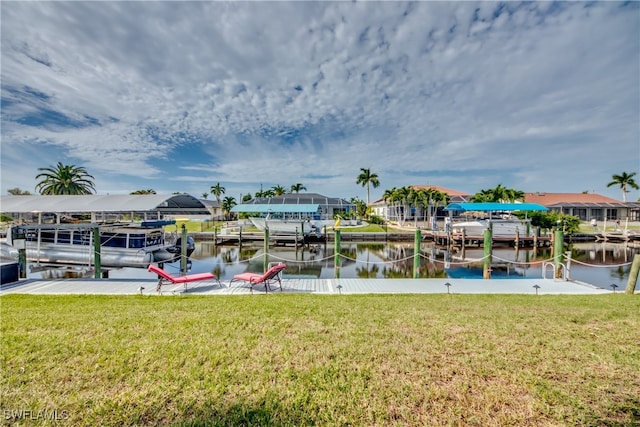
x=180, y=96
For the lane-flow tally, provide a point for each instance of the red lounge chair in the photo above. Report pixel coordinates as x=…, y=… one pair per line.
x=163, y=275
x=272, y=275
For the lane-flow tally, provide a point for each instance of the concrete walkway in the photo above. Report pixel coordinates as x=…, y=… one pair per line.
x=310, y=286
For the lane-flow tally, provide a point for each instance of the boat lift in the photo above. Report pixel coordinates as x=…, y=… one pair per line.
x=17, y=237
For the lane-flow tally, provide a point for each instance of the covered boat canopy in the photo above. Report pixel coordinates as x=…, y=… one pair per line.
x=276, y=208
x=492, y=206
x=103, y=203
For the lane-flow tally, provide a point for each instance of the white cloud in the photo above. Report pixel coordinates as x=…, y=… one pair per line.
x=310, y=92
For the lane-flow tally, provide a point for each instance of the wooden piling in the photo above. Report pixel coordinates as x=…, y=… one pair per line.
x=22, y=263
x=416, y=254
x=266, y=249
x=183, y=251
x=558, y=241
x=97, y=261
x=336, y=257
x=488, y=242
x=633, y=275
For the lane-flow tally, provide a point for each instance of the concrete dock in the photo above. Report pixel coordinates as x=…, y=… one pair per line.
x=305, y=285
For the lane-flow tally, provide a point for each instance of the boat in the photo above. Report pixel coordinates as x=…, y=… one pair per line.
x=9, y=268
x=502, y=222
x=500, y=227
x=121, y=245
x=176, y=248
x=302, y=226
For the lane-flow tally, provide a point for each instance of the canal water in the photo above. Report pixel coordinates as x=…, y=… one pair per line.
x=601, y=264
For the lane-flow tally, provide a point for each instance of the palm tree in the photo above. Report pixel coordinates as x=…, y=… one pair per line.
x=64, y=179
x=387, y=196
x=499, y=194
x=366, y=178
x=217, y=190
x=278, y=190
x=269, y=192
x=298, y=187
x=18, y=192
x=148, y=191
x=423, y=197
x=403, y=195
x=624, y=180
x=227, y=204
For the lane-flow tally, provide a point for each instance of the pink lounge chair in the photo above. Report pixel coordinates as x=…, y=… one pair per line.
x=271, y=275
x=163, y=275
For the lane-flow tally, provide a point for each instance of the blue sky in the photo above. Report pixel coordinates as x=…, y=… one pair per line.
x=178, y=96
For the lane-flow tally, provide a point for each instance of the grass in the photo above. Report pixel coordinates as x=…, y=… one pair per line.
x=586, y=227
x=291, y=360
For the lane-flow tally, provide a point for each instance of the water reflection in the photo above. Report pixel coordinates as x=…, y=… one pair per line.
x=395, y=260
x=596, y=263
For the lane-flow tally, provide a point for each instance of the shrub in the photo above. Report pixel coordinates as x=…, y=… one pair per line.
x=375, y=219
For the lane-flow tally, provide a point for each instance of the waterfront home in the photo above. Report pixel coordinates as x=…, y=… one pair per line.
x=587, y=206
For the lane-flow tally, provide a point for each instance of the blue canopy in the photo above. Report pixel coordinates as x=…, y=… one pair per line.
x=488, y=207
x=276, y=208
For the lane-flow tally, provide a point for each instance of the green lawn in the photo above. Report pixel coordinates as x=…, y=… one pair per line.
x=293, y=360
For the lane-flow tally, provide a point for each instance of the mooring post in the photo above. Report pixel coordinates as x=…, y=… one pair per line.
x=266, y=249
x=22, y=263
x=488, y=251
x=558, y=243
x=96, y=253
x=336, y=256
x=633, y=275
x=416, y=254
x=183, y=251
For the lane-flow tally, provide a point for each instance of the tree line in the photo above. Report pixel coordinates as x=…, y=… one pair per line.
x=64, y=179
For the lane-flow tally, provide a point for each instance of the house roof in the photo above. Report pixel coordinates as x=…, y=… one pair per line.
x=100, y=203
x=276, y=208
x=299, y=198
x=574, y=200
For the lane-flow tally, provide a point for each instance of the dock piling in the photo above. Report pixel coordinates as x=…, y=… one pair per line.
x=337, y=253
x=416, y=254
x=633, y=275
x=488, y=251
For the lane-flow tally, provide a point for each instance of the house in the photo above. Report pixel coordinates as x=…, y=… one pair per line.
x=384, y=210
x=586, y=206
x=214, y=208
x=326, y=207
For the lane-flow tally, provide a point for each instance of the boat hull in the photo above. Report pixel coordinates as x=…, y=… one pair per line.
x=500, y=228
x=109, y=257
x=311, y=227
x=292, y=227
x=120, y=245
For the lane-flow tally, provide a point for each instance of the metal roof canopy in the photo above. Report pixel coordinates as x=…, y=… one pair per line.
x=300, y=199
x=280, y=208
x=487, y=207
x=99, y=203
